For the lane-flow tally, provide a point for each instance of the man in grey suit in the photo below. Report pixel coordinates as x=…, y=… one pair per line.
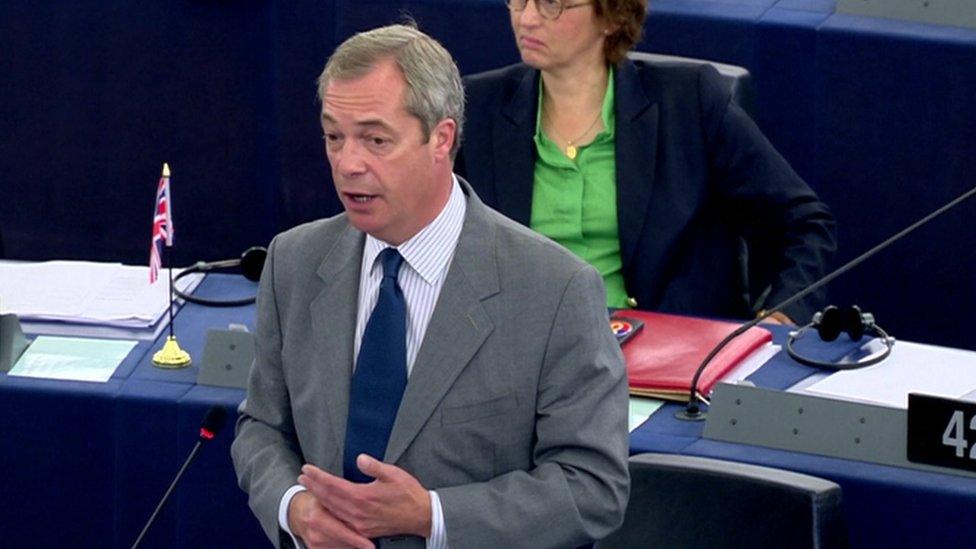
x=510, y=425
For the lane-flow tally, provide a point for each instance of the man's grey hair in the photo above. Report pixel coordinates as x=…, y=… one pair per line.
x=434, y=90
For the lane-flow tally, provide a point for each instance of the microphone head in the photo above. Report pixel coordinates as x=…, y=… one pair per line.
x=213, y=422
x=252, y=262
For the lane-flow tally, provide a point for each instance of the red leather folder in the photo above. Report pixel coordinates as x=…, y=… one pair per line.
x=663, y=356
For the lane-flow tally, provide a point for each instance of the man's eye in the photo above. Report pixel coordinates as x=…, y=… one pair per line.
x=377, y=141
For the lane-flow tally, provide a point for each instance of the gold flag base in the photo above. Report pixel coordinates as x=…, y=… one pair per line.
x=171, y=356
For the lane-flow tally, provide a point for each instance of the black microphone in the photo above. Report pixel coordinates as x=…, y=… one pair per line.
x=693, y=412
x=213, y=422
x=251, y=264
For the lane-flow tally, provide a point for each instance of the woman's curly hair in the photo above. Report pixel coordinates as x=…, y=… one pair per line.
x=625, y=18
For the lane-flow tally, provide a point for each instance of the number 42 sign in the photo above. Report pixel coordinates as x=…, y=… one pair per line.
x=942, y=431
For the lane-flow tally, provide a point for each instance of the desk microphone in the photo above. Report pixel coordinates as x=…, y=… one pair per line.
x=251, y=263
x=212, y=423
x=693, y=411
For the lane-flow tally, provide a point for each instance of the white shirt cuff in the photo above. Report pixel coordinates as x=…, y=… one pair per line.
x=438, y=530
x=283, y=511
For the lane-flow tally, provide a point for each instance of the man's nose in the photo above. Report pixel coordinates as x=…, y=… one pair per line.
x=348, y=159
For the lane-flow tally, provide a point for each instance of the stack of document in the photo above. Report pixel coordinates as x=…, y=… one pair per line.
x=89, y=294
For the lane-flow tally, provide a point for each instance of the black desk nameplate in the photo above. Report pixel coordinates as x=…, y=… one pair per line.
x=942, y=431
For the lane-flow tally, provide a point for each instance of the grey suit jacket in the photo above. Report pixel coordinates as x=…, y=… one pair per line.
x=516, y=407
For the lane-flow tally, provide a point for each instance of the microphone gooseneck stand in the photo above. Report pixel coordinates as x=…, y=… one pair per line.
x=693, y=411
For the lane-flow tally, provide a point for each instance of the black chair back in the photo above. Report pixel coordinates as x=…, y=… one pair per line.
x=690, y=502
x=738, y=79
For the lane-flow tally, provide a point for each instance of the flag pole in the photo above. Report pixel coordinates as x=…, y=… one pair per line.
x=171, y=355
x=171, y=294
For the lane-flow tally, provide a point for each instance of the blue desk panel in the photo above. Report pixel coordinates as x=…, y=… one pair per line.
x=58, y=457
x=147, y=457
x=58, y=461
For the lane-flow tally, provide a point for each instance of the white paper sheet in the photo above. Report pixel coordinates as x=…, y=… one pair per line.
x=912, y=367
x=107, y=294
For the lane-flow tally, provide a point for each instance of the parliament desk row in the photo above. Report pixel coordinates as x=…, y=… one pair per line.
x=874, y=113
x=87, y=463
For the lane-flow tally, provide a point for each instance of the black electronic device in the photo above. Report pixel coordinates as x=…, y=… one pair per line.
x=251, y=263
x=830, y=323
x=625, y=327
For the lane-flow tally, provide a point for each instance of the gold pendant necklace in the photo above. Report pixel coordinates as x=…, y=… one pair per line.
x=570, y=149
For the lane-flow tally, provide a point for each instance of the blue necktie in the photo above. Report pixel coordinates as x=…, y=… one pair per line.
x=381, y=373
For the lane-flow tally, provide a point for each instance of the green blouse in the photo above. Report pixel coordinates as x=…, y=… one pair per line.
x=574, y=202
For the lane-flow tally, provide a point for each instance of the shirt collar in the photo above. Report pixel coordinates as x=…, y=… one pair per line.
x=429, y=251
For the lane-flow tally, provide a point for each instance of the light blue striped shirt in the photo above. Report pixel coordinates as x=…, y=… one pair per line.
x=428, y=255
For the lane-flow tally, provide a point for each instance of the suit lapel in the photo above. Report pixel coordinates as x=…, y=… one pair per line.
x=457, y=329
x=636, y=151
x=513, y=147
x=333, y=313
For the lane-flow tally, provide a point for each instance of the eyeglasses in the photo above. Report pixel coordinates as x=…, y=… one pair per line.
x=548, y=9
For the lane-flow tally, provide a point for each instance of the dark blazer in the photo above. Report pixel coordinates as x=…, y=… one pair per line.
x=712, y=220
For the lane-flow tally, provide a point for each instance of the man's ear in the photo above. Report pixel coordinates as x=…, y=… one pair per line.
x=442, y=136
